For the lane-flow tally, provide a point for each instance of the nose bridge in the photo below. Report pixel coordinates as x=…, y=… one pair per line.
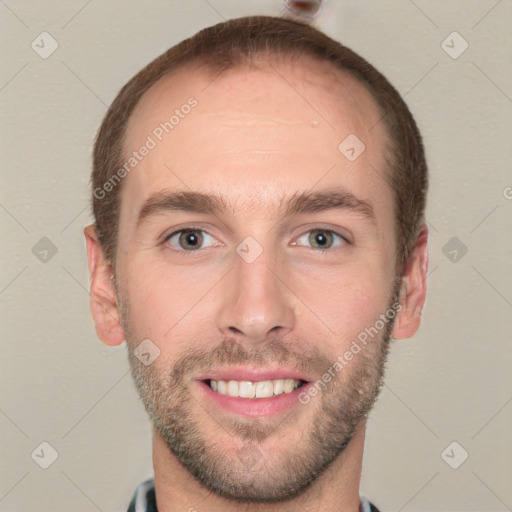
x=255, y=300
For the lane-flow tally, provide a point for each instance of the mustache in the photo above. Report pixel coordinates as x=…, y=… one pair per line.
x=230, y=352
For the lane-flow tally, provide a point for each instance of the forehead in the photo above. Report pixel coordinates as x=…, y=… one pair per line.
x=275, y=92
x=253, y=134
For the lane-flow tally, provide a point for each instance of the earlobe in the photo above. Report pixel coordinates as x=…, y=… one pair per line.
x=102, y=292
x=414, y=289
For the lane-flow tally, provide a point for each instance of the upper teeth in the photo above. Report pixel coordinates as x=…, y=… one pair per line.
x=249, y=389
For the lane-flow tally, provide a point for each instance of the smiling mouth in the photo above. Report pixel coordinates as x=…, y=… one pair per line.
x=254, y=389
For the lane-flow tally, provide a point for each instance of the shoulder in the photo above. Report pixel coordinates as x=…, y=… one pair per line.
x=367, y=506
x=143, y=499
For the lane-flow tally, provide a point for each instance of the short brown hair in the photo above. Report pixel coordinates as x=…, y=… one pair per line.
x=233, y=43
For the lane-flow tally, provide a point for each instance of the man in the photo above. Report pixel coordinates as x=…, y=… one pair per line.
x=259, y=195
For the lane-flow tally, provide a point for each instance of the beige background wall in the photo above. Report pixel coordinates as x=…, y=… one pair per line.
x=61, y=385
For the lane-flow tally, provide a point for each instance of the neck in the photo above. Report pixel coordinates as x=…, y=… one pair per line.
x=335, y=490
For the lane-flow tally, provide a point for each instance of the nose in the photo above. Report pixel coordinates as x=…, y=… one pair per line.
x=255, y=301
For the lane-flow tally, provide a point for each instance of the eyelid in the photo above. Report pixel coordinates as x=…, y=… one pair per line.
x=344, y=240
x=336, y=230
x=167, y=237
x=187, y=252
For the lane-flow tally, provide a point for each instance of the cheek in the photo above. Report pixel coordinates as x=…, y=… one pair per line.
x=167, y=305
x=153, y=301
x=344, y=303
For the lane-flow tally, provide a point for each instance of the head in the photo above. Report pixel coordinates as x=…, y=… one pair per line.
x=259, y=194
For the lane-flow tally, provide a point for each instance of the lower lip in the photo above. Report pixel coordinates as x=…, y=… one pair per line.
x=254, y=407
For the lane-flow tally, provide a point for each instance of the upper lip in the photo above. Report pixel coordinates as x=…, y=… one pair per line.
x=253, y=374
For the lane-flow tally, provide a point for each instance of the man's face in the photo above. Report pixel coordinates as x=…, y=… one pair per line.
x=285, y=303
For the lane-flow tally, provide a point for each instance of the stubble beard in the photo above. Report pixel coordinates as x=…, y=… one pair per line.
x=249, y=476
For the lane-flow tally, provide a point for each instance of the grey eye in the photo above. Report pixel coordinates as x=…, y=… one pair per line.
x=188, y=239
x=321, y=238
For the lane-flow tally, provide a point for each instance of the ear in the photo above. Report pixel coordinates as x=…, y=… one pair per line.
x=102, y=295
x=414, y=289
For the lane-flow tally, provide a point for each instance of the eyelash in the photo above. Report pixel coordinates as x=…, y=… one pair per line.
x=189, y=252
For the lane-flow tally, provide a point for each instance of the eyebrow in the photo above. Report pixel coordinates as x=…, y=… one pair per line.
x=298, y=203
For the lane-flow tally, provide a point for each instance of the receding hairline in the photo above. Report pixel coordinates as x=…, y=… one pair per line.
x=265, y=60
x=335, y=80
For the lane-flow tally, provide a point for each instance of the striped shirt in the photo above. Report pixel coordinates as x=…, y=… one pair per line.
x=144, y=499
